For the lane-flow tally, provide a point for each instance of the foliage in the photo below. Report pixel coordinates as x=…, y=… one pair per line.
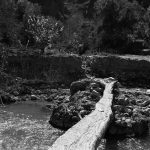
x=77, y=34
x=9, y=27
x=13, y=18
x=117, y=24
x=45, y=30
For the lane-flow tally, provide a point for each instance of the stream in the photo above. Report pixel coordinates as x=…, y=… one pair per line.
x=24, y=126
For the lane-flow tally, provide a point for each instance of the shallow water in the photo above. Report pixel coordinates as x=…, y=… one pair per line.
x=25, y=127
x=142, y=143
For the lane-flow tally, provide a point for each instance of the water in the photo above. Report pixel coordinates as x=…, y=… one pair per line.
x=25, y=127
x=142, y=143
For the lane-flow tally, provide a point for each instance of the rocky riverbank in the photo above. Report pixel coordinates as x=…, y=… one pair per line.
x=84, y=94
x=131, y=108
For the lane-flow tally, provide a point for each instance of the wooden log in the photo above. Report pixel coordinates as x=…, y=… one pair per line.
x=85, y=134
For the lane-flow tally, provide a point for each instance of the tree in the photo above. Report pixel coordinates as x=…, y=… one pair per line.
x=45, y=30
x=117, y=21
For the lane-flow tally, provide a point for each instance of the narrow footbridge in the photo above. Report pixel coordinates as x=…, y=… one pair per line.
x=88, y=132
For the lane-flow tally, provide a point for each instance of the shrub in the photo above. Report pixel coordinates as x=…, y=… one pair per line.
x=45, y=30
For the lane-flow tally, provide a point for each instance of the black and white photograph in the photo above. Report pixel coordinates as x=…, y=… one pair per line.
x=74, y=74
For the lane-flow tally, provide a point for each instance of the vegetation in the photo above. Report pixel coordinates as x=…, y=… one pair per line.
x=97, y=25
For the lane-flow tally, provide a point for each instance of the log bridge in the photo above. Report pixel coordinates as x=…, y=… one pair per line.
x=87, y=133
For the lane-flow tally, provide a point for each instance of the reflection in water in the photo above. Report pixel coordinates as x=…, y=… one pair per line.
x=25, y=127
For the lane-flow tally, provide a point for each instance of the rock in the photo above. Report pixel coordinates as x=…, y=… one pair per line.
x=61, y=98
x=6, y=99
x=95, y=94
x=83, y=113
x=128, y=121
x=34, y=97
x=118, y=122
x=133, y=101
x=51, y=97
x=123, y=118
x=94, y=85
x=146, y=112
x=62, y=118
x=118, y=108
x=24, y=90
x=145, y=103
x=79, y=85
x=99, y=90
x=148, y=92
x=15, y=93
x=88, y=105
x=140, y=127
x=128, y=111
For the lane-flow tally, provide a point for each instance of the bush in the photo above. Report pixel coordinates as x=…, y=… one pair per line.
x=45, y=30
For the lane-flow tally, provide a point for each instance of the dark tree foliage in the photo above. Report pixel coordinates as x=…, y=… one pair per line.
x=13, y=20
x=121, y=25
x=117, y=21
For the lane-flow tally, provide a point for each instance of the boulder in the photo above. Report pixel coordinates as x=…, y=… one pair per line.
x=34, y=97
x=80, y=85
x=63, y=118
x=6, y=99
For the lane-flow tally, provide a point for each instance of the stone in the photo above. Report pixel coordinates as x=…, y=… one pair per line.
x=128, y=121
x=63, y=118
x=6, y=99
x=140, y=127
x=148, y=92
x=24, y=90
x=51, y=97
x=80, y=85
x=15, y=93
x=146, y=112
x=83, y=113
x=94, y=85
x=99, y=90
x=95, y=94
x=128, y=111
x=34, y=97
x=145, y=103
x=88, y=105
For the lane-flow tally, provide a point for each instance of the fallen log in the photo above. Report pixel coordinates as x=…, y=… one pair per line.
x=87, y=132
